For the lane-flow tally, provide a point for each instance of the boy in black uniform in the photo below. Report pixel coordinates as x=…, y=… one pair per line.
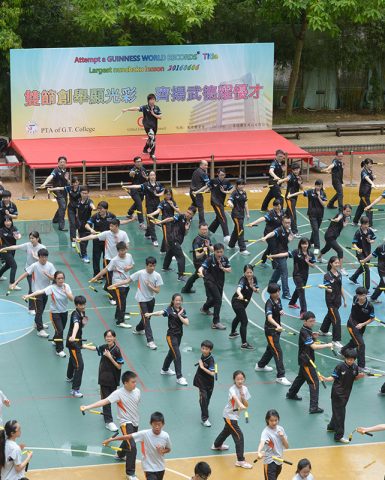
x=201, y=248
x=378, y=253
x=336, y=168
x=275, y=180
x=83, y=212
x=180, y=225
x=307, y=372
x=362, y=314
x=343, y=376
x=199, y=180
x=138, y=175
x=362, y=243
x=220, y=187
x=74, y=344
x=7, y=208
x=213, y=271
x=204, y=380
x=151, y=115
x=238, y=203
x=273, y=329
x=294, y=185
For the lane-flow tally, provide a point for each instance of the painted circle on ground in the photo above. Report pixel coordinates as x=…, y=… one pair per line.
x=15, y=321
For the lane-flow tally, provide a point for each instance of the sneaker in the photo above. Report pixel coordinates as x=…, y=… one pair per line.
x=283, y=381
x=85, y=259
x=375, y=300
x=226, y=239
x=206, y=312
x=182, y=278
x=321, y=259
x=246, y=346
x=120, y=459
x=206, y=423
x=162, y=253
x=344, y=272
x=32, y=312
x=131, y=477
x=330, y=429
x=127, y=316
x=182, y=381
x=188, y=291
x=342, y=440
x=111, y=427
x=76, y=394
x=167, y=372
x=266, y=368
x=112, y=301
x=233, y=335
x=351, y=280
x=151, y=345
x=61, y=354
x=287, y=297
x=293, y=305
x=69, y=380
x=316, y=251
x=324, y=334
x=167, y=269
x=42, y=334
x=2, y=279
x=138, y=332
x=243, y=464
x=245, y=253
x=45, y=325
x=147, y=237
x=155, y=243
x=218, y=326
x=123, y=325
x=293, y=397
x=221, y=448
x=316, y=410
x=337, y=345
x=16, y=287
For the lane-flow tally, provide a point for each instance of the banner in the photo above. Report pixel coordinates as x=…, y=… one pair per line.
x=80, y=92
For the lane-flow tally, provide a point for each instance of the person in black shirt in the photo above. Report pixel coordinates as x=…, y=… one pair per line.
x=273, y=329
x=177, y=317
x=247, y=284
x=7, y=208
x=337, y=223
x=336, y=168
x=138, y=175
x=59, y=177
x=294, y=185
x=84, y=209
x=168, y=208
x=343, y=376
x=378, y=253
x=303, y=258
x=307, y=372
x=240, y=208
x=110, y=366
x=74, y=344
x=180, y=225
x=199, y=180
x=365, y=189
x=201, y=249
x=151, y=115
x=334, y=292
x=362, y=243
x=275, y=180
x=9, y=234
x=213, y=271
x=204, y=380
x=361, y=315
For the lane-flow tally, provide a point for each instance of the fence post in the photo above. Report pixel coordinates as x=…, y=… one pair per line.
x=351, y=183
x=84, y=172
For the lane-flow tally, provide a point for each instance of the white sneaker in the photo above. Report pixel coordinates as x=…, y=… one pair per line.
x=316, y=251
x=344, y=272
x=266, y=368
x=220, y=448
x=61, y=354
x=131, y=477
x=283, y=381
x=45, y=325
x=243, y=464
x=76, y=394
x=32, y=312
x=123, y=325
x=16, y=287
x=112, y=427
x=167, y=372
x=42, y=333
x=151, y=345
x=2, y=279
x=337, y=345
x=245, y=253
x=112, y=301
x=324, y=334
x=343, y=440
x=206, y=423
x=226, y=239
x=155, y=243
x=138, y=332
x=182, y=381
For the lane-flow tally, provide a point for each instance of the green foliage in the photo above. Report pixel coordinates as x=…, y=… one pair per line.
x=9, y=20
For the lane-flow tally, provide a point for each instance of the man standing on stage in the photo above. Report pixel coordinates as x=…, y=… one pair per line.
x=199, y=179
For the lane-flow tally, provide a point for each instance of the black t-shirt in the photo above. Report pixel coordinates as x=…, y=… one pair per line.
x=140, y=176
x=361, y=240
x=301, y=268
x=151, y=191
x=84, y=210
x=7, y=238
x=274, y=309
x=246, y=289
x=10, y=208
x=334, y=282
x=337, y=171
x=59, y=180
x=216, y=186
x=360, y=313
x=344, y=376
x=199, y=179
x=211, y=269
x=293, y=184
x=179, y=228
x=315, y=208
x=166, y=208
x=109, y=375
x=239, y=200
x=281, y=241
x=365, y=187
x=273, y=220
x=304, y=346
x=175, y=325
x=99, y=223
x=277, y=167
x=81, y=319
x=74, y=196
x=201, y=243
x=149, y=121
x=379, y=253
x=202, y=379
x=335, y=228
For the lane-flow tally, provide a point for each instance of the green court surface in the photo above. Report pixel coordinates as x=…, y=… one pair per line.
x=33, y=377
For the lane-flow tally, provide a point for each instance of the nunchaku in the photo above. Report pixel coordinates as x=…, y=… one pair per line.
x=350, y=437
x=246, y=414
x=62, y=339
x=379, y=321
x=98, y=412
x=316, y=369
x=278, y=459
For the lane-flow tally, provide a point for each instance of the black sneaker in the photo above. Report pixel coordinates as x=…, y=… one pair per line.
x=233, y=335
x=329, y=429
x=187, y=291
x=293, y=397
x=167, y=269
x=287, y=297
x=129, y=216
x=351, y=279
x=206, y=312
x=316, y=410
x=246, y=346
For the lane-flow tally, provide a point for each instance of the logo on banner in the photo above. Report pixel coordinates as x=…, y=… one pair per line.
x=32, y=128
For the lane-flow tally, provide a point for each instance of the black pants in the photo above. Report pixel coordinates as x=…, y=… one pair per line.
x=214, y=294
x=331, y=243
x=337, y=422
x=238, y=234
x=363, y=270
x=9, y=264
x=151, y=230
x=197, y=202
x=292, y=213
x=173, y=355
x=145, y=323
x=31, y=303
x=75, y=366
x=299, y=292
x=274, y=192
x=232, y=428
x=174, y=249
x=137, y=198
x=154, y=475
x=130, y=448
x=190, y=282
x=273, y=350
x=306, y=374
x=166, y=230
x=120, y=295
x=61, y=211
x=72, y=220
x=356, y=341
x=204, y=402
x=339, y=195
x=151, y=141
x=239, y=307
x=270, y=243
x=59, y=322
x=364, y=202
x=332, y=318
x=315, y=224
x=220, y=219
x=97, y=254
x=107, y=277
x=83, y=245
x=105, y=391
x=271, y=471
x=377, y=292
x=39, y=304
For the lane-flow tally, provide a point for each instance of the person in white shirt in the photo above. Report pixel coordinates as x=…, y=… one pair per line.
x=155, y=444
x=12, y=466
x=120, y=267
x=41, y=273
x=238, y=399
x=303, y=470
x=149, y=283
x=3, y=401
x=127, y=399
x=59, y=293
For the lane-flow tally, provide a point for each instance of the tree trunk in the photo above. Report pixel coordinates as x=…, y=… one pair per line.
x=300, y=40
